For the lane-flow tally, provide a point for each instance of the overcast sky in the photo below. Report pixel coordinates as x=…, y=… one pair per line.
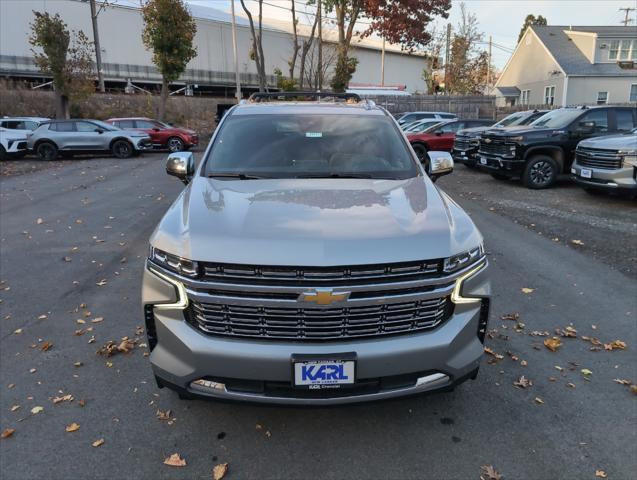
x=502, y=19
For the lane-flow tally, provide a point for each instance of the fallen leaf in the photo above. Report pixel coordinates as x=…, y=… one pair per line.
x=552, y=343
x=39, y=221
x=78, y=364
x=18, y=331
x=622, y=382
x=528, y=290
x=523, y=382
x=63, y=398
x=98, y=443
x=219, y=471
x=633, y=388
x=74, y=427
x=15, y=407
x=539, y=400
x=175, y=461
x=617, y=344
x=42, y=317
x=510, y=316
x=489, y=473
x=577, y=242
x=97, y=320
x=101, y=283
x=7, y=432
x=36, y=410
x=163, y=415
x=600, y=474
x=33, y=370
x=572, y=385
x=586, y=372
x=46, y=346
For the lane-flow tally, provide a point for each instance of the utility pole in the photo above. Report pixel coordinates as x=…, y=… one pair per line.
x=447, y=49
x=489, y=65
x=320, y=45
x=382, y=65
x=627, y=20
x=237, y=92
x=98, y=51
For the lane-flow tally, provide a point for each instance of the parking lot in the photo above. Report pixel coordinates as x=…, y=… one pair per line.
x=74, y=238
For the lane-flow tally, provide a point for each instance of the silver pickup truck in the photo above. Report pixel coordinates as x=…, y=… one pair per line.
x=311, y=260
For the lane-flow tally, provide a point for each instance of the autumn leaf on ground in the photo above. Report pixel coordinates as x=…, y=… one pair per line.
x=489, y=473
x=36, y=410
x=492, y=353
x=616, y=345
x=101, y=283
x=73, y=427
x=219, y=471
x=577, y=242
x=566, y=332
x=15, y=407
x=600, y=474
x=7, y=432
x=622, y=382
x=39, y=221
x=510, y=316
x=98, y=443
x=63, y=398
x=528, y=290
x=46, y=346
x=552, y=343
x=523, y=382
x=586, y=372
x=539, y=400
x=175, y=461
x=163, y=415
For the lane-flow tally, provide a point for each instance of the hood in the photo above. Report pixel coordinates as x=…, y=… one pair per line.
x=474, y=131
x=520, y=130
x=626, y=141
x=314, y=222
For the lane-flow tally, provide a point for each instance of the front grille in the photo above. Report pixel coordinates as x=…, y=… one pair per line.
x=319, y=323
x=598, y=158
x=22, y=145
x=318, y=276
x=495, y=147
x=464, y=143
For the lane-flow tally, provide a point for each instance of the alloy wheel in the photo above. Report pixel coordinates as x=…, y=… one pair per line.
x=541, y=173
x=175, y=145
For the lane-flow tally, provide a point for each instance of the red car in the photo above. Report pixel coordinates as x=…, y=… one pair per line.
x=161, y=134
x=440, y=137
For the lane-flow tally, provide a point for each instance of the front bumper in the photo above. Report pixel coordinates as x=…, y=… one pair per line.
x=16, y=146
x=256, y=370
x=503, y=165
x=467, y=157
x=143, y=143
x=622, y=179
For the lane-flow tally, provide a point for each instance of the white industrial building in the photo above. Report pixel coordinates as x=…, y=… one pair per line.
x=124, y=56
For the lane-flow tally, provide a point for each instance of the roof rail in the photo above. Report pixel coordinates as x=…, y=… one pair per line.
x=304, y=96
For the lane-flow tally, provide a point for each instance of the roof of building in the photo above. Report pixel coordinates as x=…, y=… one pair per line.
x=509, y=91
x=571, y=59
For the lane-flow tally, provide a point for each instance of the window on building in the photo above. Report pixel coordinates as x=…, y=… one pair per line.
x=525, y=96
x=633, y=93
x=622, y=50
x=602, y=98
x=549, y=95
x=625, y=120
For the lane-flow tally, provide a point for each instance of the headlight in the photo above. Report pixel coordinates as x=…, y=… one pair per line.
x=516, y=139
x=630, y=157
x=464, y=259
x=177, y=264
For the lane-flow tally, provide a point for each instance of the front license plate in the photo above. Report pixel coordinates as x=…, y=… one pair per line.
x=483, y=161
x=324, y=373
x=586, y=173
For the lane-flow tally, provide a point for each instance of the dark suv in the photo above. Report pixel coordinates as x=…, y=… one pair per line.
x=465, y=146
x=537, y=153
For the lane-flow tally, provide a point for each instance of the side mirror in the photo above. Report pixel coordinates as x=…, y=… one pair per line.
x=585, y=127
x=155, y=129
x=99, y=130
x=440, y=164
x=181, y=165
x=438, y=133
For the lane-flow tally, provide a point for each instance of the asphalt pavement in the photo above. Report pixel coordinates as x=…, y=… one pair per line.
x=73, y=238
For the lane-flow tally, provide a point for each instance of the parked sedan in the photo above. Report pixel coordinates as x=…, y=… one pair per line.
x=421, y=125
x=440, y=136
x=162, y=134
x=410, y=117
x=68, y=137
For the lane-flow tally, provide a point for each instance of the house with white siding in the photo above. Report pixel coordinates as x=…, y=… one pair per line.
x=569, y=65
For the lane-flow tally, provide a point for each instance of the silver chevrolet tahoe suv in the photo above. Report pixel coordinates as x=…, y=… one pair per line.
x=311, y=260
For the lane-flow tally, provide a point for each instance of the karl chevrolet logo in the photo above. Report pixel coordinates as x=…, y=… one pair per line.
x=323, y=296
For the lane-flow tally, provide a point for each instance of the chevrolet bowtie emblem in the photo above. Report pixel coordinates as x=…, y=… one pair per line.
x=323, y=296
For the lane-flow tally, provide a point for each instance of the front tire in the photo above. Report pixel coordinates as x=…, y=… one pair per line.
x=122, y=149
x=47, y=151
x=175, y=144
x=540, y=172
x=421, y=153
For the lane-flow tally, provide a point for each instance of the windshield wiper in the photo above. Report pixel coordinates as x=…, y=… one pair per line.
x=240, y=176
x=335, y=175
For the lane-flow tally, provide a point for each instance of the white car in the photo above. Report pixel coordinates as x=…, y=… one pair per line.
x=13, y=143
x=23, y=124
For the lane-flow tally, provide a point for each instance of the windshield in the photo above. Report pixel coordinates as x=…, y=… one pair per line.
x=319, y=145
x=431, y=128
x=512, y=119
x=420, y=126
x=104, y=125
x=557, y=118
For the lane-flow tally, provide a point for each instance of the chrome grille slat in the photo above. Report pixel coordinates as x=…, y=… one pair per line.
x=596, y=158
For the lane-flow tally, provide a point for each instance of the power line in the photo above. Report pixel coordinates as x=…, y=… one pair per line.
x=627, y=20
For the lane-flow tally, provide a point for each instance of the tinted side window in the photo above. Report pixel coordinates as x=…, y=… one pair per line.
x=143, y=124
x=625, y=119
x=31, y=125
x=600, y=117
x=14, y=125
x=447, y=115
x=63, y=127
x=85, y=127
x=450, y=127
x=125, y=124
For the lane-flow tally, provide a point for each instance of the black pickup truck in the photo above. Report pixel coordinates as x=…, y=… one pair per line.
x=467, y=141
x=539, y=152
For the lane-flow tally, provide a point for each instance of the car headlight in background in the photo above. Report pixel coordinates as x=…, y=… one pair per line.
x=629, y=157
x=463, y=260
x=174, y=263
